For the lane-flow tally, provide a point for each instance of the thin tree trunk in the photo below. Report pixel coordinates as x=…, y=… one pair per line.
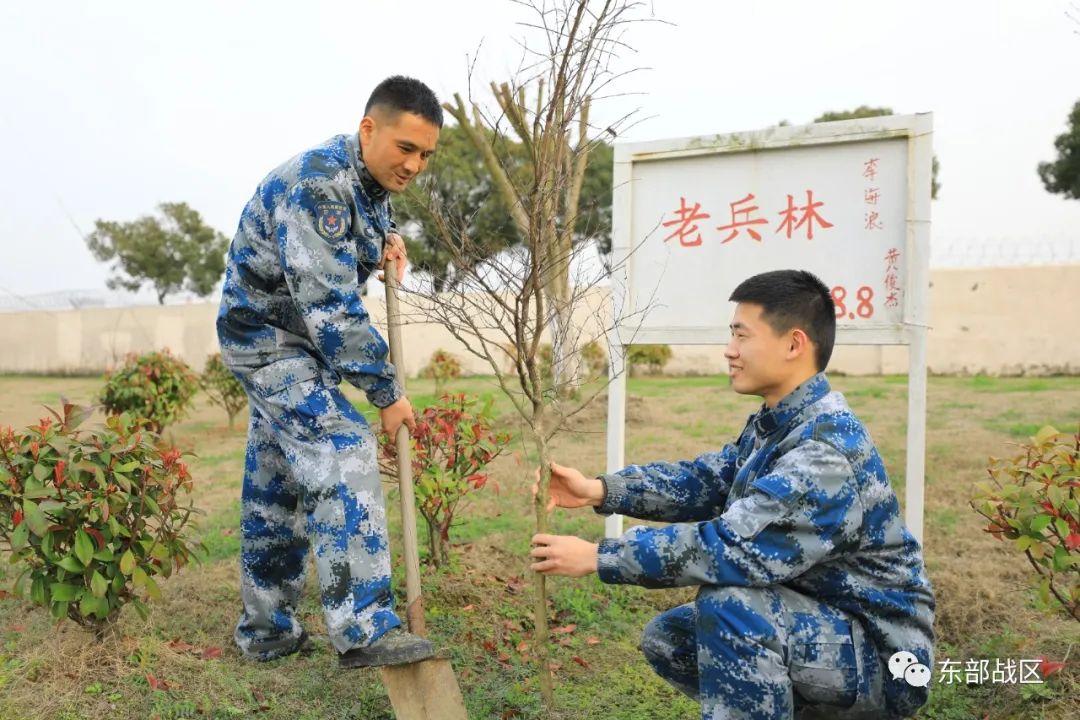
x=444, y=545
x=433, y=545
x=540, y=612
x=566, y=366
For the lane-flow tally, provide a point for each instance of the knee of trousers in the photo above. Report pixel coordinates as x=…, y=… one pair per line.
x=739, y=613
x=656, y=642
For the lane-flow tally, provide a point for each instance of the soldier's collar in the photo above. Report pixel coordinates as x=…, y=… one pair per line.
x=771, y=419
x=371, y=186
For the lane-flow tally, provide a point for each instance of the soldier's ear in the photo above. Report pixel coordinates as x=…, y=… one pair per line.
x=799, y=343
x=367, y=127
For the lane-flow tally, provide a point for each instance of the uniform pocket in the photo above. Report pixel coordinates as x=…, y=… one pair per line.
x=768, y=499
x=750, y=515
x=825, y=672
x=283, y=391
x=281, y=374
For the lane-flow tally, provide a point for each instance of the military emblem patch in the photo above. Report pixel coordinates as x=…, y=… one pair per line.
x=330, y=219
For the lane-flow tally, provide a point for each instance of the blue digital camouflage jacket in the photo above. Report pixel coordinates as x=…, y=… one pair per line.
x=800, y=499
x=307, y=242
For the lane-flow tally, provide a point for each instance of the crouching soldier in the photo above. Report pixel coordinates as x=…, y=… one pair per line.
x=292, y=325
x=811, y=591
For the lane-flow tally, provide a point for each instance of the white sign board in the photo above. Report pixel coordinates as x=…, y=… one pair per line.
x=849, y=201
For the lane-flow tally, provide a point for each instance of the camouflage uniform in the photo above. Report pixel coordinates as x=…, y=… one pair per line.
x=809, y=580
x=291, y=326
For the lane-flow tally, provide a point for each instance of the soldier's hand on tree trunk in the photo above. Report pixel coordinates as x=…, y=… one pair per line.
x=563, y=555
x=392, y=416
x=570, y=488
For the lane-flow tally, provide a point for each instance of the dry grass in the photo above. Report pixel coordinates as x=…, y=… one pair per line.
x=984, y=608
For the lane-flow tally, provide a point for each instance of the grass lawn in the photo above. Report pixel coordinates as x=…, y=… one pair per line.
x=480, y=607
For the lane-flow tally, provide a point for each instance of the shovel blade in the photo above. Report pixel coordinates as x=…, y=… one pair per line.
x=426, y=690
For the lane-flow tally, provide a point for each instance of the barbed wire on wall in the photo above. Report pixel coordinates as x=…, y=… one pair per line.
x=1003, y=252
x=11, y=301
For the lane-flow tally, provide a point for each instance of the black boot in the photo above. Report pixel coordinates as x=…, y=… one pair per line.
x=396, y=647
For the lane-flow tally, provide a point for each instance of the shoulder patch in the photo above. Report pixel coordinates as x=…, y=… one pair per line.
x=330, y=219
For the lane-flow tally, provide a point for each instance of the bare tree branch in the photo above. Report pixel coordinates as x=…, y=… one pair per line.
x=505, y=308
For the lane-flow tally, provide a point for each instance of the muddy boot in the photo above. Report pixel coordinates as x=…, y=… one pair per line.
x=396, y=647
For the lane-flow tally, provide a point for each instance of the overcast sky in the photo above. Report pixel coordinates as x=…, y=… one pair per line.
x=109, y=108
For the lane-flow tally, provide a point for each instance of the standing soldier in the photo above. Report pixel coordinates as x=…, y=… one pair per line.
x=812, y=592
x=292, y=324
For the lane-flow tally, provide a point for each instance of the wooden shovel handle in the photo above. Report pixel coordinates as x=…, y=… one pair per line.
x=414, y=610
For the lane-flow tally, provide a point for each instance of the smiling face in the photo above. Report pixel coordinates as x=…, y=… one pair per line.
x=396, y=146
x=762, y=361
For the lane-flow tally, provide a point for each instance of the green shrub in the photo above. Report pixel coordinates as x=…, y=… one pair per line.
x=156, y=385
x=1033, y=500
x=222, y=387
x=92, y=517
x=451, y=446
x=653, y=357
x=595, y=356
x=442, y=366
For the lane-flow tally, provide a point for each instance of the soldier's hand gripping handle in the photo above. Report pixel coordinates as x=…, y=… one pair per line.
x=392, y=416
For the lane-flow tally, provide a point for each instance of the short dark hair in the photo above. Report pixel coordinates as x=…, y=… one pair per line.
x=405, y=94
x=790, y=299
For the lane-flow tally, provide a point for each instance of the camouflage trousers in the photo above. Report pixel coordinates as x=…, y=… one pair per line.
x=310, y=481
x=766, y=654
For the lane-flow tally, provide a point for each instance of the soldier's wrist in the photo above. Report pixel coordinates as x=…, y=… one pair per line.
x=599, y=492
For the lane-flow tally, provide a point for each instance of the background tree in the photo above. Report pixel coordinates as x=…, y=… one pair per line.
x=594, y=208
x=173, y=252
x=1062, y=176
x=460, y=186
x=464, y=190
x=865, y=111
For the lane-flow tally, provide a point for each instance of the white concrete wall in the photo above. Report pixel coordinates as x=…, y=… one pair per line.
x=1014, y=321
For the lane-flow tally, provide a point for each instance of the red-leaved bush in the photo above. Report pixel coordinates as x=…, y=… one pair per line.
x=452, y=445
x=1033, y=501
x=94, y=518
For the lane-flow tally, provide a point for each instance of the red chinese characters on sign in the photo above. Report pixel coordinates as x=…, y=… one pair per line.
x=809, y=214
x=871, y=195
x=686, y=215
x=870, y=169
x=745, y=222
x=892, y=280
x=743, y=217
